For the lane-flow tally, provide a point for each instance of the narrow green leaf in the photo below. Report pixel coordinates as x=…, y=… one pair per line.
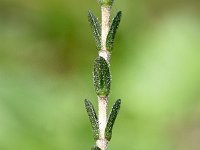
x=96, y=29
x=101, y=77
x=113, y=29
x=95, y=148
x=93, y=118
x=111, y=120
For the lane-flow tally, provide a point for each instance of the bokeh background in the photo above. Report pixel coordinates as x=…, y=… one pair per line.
x=46, y=62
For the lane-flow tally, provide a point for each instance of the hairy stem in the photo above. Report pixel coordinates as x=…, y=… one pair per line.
x=105, y=26
x=102, y=106
x=103, y=101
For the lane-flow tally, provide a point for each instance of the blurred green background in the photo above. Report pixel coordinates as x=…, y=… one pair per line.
x=46, y=59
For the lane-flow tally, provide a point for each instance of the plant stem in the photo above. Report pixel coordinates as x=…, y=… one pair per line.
x=105, y=26
x=104, y=35
x=103, y=101
x=102, y=106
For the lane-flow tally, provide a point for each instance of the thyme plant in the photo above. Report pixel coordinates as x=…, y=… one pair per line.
x=104, y=34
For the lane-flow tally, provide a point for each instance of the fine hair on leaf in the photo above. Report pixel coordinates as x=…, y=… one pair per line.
x=113, y=115
x=104, y=35
x=96, y=29
x=93, y=118
x=113, y=29
x=101, y=77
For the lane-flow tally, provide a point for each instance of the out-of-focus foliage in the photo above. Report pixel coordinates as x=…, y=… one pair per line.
x=46, y=57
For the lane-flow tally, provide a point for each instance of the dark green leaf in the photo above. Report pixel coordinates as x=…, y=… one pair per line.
x=93, y=118
x=111, y=120
x=113, y=29
x=96, y=29
x=101, y=77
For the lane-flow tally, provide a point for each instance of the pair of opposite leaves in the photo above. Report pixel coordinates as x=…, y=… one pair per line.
x=94, y=119
x=96, y=28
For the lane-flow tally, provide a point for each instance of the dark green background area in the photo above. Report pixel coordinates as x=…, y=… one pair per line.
x=46, y=58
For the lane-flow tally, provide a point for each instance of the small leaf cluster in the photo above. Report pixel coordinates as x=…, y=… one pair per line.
x=94, y=119
x=96, y=28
